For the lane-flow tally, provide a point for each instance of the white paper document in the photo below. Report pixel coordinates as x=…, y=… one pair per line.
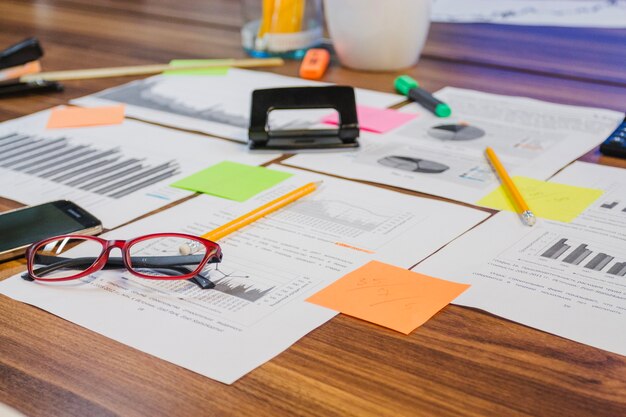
x=217, y=105
x=446, y=157
x=568, y=279
x=570, y=13
x=257, y=308
x=115, y=172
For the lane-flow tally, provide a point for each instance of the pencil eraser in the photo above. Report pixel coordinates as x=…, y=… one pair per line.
x=314, y=64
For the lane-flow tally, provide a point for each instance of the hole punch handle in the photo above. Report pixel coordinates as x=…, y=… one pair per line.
x=340, y=98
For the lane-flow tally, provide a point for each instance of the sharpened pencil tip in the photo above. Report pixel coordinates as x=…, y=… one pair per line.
x=529, y=218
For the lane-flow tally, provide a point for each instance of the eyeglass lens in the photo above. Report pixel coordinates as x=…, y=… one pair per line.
x=60, y=259
x=166, y=256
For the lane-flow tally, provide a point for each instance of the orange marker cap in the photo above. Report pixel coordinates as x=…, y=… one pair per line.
x=314, y=64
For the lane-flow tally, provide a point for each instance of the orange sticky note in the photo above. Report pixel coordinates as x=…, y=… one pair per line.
x=384, y=294
x=62, y=117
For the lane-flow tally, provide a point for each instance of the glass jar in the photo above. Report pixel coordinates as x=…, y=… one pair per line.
x=281, y=28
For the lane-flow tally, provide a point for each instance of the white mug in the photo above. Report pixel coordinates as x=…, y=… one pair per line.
x=378, y=35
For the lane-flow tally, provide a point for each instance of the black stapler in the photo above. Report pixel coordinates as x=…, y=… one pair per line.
x=21, y=53
x=340, y=98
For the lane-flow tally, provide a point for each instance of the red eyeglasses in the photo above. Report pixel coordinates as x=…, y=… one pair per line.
x=163, y=256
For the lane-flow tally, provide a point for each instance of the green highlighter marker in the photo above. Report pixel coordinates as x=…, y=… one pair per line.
x=409, y=87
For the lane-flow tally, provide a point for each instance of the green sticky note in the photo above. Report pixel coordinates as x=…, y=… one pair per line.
x=547, y=200
x=232, y=180
x=206, y=71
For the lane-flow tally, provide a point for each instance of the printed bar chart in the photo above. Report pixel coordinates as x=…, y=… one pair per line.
x=614, y=205
x=598, y=262
x=106, y=172
x=556, y=250
x=578, y=255
x=618, y=269
x=610, y=205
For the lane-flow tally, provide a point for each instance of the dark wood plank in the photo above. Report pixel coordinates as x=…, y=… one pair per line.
x=136, y=38
x=220, y=13
x=461, y=362
x=554, y=50
x=66, y=44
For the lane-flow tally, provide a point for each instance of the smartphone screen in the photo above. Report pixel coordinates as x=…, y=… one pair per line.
x=31, y=224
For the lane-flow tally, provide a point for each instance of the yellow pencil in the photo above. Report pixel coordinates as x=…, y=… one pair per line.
x=509, y=186
x=264, y=210
x=84, y=74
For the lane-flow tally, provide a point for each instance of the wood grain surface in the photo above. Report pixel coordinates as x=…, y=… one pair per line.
x=462, y=362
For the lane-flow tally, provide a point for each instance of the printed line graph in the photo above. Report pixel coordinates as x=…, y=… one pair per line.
x=341, y=220
x=336, y=212
x=142, y=93
x=248, y=280
x=235, y=288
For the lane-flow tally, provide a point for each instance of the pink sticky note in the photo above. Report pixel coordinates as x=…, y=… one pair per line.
x=375, y=120
x=62, y=117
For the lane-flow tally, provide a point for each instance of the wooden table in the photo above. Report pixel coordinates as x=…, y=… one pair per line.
x=462, y=362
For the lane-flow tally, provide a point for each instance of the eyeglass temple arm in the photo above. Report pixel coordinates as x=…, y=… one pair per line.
x=57, y=262
x=176, y=263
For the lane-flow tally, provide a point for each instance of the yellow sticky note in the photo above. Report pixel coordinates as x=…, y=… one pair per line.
x=62, y=117
x=548, y=200
x=387, y=295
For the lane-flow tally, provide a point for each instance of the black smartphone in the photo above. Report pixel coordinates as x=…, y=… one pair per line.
x=19, y=228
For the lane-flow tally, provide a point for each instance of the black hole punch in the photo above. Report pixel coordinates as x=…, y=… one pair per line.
x=340, y=98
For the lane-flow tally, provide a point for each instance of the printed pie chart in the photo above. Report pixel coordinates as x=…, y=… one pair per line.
x=409, y=163
x=456, y=132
